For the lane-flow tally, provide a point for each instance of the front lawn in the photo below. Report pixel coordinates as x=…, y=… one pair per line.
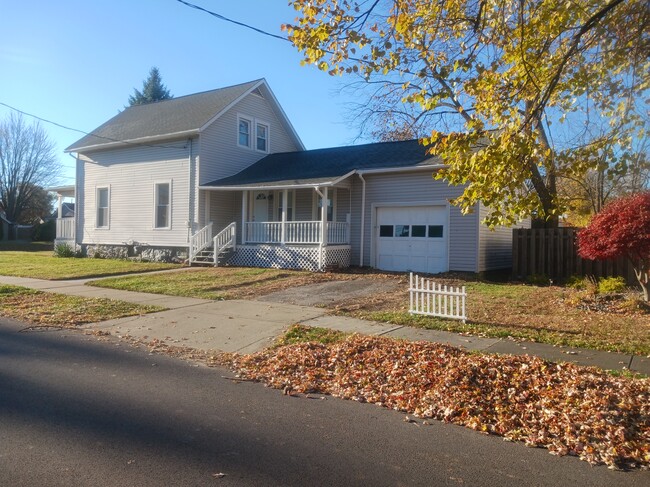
x=215, y=283
x=50, y=309
x=43, y=265
x=541, y=314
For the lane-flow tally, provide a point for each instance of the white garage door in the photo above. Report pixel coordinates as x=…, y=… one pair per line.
x=412, y=238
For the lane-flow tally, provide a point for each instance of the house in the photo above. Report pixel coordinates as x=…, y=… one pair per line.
x=222, y=177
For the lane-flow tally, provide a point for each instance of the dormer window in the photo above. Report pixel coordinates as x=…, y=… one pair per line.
x=244, y=132
x=262, y=132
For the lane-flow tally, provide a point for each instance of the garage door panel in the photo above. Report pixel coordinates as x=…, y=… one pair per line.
x=423, y=249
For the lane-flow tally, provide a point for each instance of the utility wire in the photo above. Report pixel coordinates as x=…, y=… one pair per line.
x=86, y=133
x=236, y=22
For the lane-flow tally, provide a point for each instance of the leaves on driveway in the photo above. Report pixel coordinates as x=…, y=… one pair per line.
x=565, y=408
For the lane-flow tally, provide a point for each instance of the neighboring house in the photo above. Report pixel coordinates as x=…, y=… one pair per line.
x=224, y=170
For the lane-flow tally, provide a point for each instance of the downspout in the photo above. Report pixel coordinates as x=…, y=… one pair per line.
x=363, y=217
x=190, y=192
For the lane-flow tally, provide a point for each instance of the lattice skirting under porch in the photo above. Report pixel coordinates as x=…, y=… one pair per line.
x=291, y=256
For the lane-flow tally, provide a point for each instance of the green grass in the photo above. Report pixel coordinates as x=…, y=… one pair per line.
x=50, y=309
x=43, y=265
x=216, y=284
x=303, y=334
x=597, y=341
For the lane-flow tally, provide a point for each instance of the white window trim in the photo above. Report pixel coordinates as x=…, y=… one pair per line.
x=332, y=195
x=155, y=203
x=278, y=199
x=252, y=135
x=108, y=213
x=268, y=136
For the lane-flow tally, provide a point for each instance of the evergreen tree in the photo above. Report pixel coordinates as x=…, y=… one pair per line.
x=153, y=89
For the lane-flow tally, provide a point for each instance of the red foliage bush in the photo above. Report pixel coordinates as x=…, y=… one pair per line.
x=621, y=229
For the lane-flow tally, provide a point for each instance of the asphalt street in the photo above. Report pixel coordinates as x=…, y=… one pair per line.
x=78, y=411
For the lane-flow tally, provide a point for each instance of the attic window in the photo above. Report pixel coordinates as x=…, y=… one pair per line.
x=262, y=132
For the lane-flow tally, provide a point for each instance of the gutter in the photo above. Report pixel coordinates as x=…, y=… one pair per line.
x=125, y=143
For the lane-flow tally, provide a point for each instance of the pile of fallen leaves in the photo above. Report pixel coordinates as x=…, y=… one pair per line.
x=565, y=408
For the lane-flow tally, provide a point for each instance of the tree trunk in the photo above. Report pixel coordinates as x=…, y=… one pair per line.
x=642, y=277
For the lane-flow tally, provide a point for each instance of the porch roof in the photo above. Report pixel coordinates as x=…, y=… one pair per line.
x=326, y=167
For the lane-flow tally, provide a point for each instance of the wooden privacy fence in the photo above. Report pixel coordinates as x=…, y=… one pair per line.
x=553, y=252
x=433, y=299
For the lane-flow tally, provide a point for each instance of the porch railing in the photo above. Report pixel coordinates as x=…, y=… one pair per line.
x=301, y=232
x=65, y=228
x=200, y=240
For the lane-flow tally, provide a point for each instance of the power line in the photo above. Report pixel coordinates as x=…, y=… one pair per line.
x=236, y=22
x=83, y=132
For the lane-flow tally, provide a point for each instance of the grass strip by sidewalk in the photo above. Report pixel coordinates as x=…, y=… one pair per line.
x=59, y=310
x=43, y=265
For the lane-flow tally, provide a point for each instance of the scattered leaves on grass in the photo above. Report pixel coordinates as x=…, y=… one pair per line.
x=58, y=310
x=565, y=408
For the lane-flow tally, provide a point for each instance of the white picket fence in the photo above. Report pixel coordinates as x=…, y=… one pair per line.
x=434, y=299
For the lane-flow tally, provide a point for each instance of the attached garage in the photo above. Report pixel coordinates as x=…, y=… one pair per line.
x=412, y=238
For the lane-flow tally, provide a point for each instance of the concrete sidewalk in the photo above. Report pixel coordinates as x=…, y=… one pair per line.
x=248, y=326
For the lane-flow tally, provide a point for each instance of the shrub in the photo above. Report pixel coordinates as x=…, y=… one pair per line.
x=610, y=285
x=64, y=250
x=576, y=282
x=622, y=228
x=538, y=280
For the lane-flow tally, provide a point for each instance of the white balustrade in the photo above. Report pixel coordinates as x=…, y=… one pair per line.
x=65, y=228
x=297, y=232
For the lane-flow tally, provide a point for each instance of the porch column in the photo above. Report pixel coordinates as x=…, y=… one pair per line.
x=60, y=208
x=285, y=198
x=323, y=218
x=244, y=214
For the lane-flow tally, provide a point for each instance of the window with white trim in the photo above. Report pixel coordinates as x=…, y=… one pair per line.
x=163, y=207
x=262, y=137
x=103, y=207
x=244, y=132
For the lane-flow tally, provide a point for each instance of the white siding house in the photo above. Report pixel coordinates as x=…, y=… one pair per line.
x=221, y=177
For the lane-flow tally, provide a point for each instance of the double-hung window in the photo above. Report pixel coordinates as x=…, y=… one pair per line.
x=103, y=202
x=262, y=133
x=244, y=134
x=163, y=213
x=253, y=133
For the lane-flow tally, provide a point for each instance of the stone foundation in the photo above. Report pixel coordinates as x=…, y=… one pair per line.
x=137, y=252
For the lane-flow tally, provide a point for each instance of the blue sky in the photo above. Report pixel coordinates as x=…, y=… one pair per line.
x=76, y=62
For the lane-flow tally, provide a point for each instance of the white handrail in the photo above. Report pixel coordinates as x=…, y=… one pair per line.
x=226, y=238
x=200, y=240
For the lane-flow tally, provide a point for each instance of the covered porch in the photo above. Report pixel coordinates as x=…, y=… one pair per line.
x=65, y=216
x=282, y=225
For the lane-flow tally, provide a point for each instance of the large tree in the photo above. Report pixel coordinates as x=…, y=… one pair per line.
x=514, y=85
x=153, y=89
x=28, y=163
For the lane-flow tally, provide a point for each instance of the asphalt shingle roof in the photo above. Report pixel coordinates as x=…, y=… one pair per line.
x=323, y=165
x=182, y=114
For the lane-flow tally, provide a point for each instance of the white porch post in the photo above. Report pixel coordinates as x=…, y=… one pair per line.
x=285, y=198
x=60, y=208
x=244, y=213
x=323, y=219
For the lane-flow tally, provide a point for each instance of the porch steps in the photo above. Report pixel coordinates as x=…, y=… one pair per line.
x=206, y=257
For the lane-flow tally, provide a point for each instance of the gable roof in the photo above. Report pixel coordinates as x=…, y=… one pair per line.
x=181, y=116
x=325, y=166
